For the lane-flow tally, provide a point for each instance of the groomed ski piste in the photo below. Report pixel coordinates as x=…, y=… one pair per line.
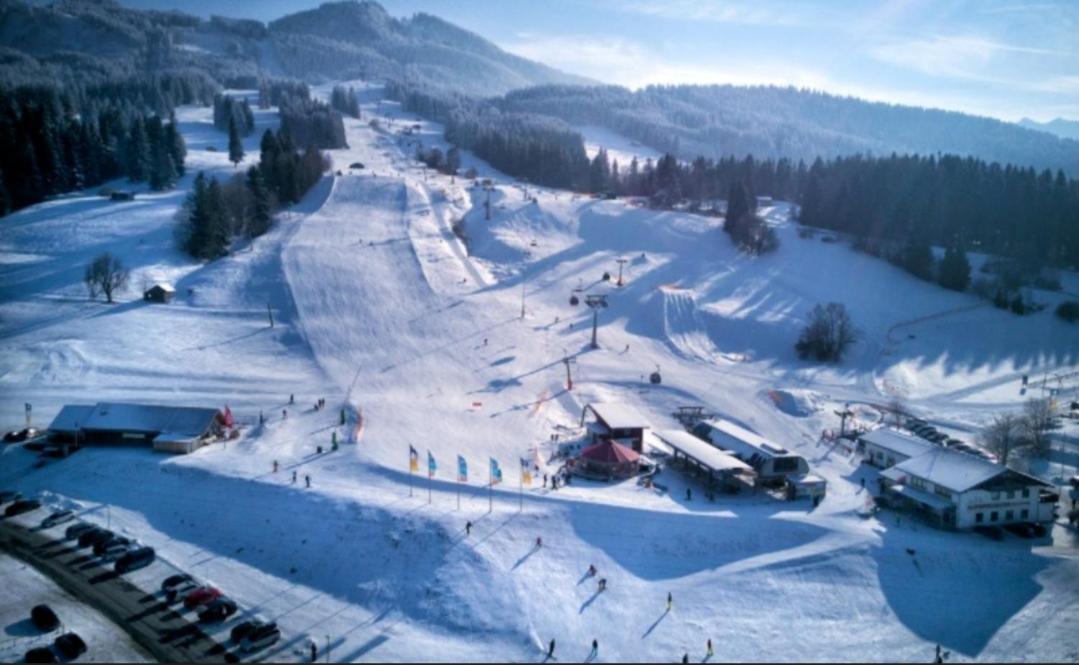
x=383, y=311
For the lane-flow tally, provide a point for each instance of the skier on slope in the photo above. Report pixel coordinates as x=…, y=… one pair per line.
x=595, y=649
x=670, y=601
x=293, y=476
x=539, y=542
x=307, y=480
x=550, y=649
x=710, y=651
x=468, y=528
x=591, y=570
x=275, y=466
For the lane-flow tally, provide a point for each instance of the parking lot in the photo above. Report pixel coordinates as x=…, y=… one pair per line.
x=133, y=601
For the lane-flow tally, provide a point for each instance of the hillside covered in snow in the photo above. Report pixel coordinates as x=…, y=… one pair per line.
x=423, y=323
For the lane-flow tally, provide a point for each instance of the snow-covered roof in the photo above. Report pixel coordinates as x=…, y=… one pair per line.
x=743, y=442
x=898, y=442
x=164, y=286
x=618, y=416
x=949, y=469
x=71, y=418
x=703, y=452
x=127, y=417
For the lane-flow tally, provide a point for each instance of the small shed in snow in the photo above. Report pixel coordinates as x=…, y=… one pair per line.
x=161, y=292
x=616, y=422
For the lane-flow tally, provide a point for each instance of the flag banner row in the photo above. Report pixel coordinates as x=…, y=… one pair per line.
x=496, y=472
x=526, y=474
x=462, y=467
x=413, y=460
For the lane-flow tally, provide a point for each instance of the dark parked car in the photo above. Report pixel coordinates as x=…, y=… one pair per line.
x=44, y=618
x=243, y=628
x=94, y=536
x=40, y=655
x=22, y=506
x=1039, y=529
x=59, y=517
x=101, y=546
x=217, y=610
x=70, y=646
x=1021, y=529
x=135, y=559
x=178, y=586
x=76, y=531
x=117, y=549
x=356, y=165
x=260, y=637
x=16, y=436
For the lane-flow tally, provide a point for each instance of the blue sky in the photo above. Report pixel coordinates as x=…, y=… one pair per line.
x=1002, y=58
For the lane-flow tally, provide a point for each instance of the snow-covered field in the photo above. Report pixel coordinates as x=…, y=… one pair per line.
x=25, y=587
x=382, y=310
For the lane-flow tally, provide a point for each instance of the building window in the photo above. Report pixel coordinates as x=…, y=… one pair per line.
x=1009, y=516
x=1024, y=513
x=993, y=517
x=1011, y=494
x=1026, y=493
x=978, y=517
x=995, y=496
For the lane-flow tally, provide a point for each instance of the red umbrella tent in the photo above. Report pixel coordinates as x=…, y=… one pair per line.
x=607, y=459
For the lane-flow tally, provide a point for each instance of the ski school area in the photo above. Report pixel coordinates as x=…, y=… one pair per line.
x=449, y=437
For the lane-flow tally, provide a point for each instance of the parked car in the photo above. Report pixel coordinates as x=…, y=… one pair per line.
x=174, y=586
x=22, y=506
x=40, y=655
x=9, y=495
x=135, y=559
x=15, y=436
x=993, y=532
x=201, y=596
x=1021, y=529
x=57, y=518
x=260, y=637
x=94, y=536
x=243, y=628
x=950, y=442
x=356, y=165
x=101, y=546
x=217, y=610
x=117, y=549
x=70, y=646
x=44, y=618
x=76, y=531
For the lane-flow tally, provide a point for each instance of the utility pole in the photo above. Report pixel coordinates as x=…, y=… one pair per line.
x=522, y=297
x=568, y=361
x=487, y=205
x=595, y=301
x=843, y=415
x=621, y=262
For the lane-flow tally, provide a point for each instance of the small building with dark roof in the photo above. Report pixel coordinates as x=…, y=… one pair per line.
x=176, y=428
x=616, y=422
x=160, y=292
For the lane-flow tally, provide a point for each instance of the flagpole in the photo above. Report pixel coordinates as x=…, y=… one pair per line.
x=490, y=489
x=429, y=481
x=521, y=489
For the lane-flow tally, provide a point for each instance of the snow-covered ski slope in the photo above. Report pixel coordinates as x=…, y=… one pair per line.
x=379, y=308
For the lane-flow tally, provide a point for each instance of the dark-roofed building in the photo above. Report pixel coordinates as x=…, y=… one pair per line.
x=177, y=428
x=160, y=292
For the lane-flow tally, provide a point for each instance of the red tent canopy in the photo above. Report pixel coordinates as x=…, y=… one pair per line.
x=610, y=452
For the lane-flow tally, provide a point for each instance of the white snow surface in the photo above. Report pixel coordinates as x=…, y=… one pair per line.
x=383, y=311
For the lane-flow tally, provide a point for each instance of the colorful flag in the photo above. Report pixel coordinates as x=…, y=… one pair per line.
x=228, y=422
x=413, y=460
x=462, y=470
x=496, y=473
x=431, y=466
x=526, y=475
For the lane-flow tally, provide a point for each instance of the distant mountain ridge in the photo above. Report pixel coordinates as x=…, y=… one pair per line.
x=1066, y=129
x=337, y=40
x=769, y=121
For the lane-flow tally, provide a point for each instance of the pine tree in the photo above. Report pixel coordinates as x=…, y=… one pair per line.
x=738, y=207
x=138, y=152
x=453, y=159
x=236, y=148
x=196, y=218
x=176, y=146
x=260, y=218
x=217, y=237
x=954, y=270
x=917, y=257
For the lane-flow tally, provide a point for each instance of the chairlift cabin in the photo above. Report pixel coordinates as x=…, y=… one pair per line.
x=574, y=300
x=606, y=276
x=656, y=378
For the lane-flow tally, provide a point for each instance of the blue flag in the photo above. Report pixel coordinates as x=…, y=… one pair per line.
x=462, y=470
x=431, y=466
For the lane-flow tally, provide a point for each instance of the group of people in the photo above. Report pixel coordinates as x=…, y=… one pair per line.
x=562, y=477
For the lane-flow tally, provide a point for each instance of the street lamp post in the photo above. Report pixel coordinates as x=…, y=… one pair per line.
x=621, y=262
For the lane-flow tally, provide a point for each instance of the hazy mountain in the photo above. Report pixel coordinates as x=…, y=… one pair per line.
x=101, y=38
x=1067, y=129
x=768, y=121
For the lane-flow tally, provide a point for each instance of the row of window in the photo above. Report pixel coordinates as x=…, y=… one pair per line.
x=1011, y=494
x=994, y=516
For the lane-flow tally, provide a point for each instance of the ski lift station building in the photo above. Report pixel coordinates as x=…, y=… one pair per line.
x=179, y=429
x=719, y=465
x=773, y=463
x=615, y=422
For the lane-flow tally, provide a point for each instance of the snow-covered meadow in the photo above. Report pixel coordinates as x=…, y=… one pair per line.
x=380, y=308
